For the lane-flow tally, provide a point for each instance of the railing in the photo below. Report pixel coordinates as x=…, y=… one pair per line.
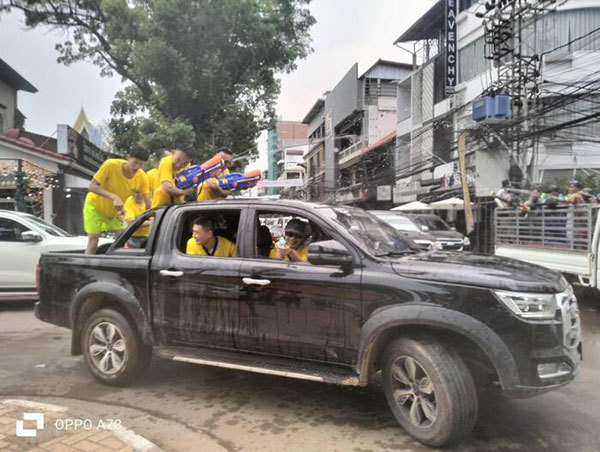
x=350, y=152
x=567, y=228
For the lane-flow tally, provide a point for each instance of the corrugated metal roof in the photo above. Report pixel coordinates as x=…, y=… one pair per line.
x=427, y=26
x=14, y=79
x=387, y=70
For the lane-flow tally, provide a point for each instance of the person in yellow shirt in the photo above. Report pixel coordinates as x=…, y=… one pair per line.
x=204, y=241
x=209, y=189
x=134, y=207
x=113, y=183
x=153, y=175
x=295, y=250
x=169, y=166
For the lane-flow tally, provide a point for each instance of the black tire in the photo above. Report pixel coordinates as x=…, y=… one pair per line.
x=442, y=389
x=126, y=360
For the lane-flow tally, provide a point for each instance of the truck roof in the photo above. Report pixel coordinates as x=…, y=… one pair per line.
x=263, y=202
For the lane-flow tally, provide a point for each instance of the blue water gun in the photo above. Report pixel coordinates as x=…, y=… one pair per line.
x=238, y=181
x=197, y=174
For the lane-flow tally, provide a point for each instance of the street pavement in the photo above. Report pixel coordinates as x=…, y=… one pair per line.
x=184, y=407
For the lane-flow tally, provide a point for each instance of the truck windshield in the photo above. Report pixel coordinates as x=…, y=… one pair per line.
x=376, y=236
x=48, y=227
x=432, y=223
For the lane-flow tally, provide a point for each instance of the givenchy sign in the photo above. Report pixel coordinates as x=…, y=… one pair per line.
x=451, y=73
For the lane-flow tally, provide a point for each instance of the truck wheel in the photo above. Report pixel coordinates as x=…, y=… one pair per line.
x=430, y=391
x=113, y=351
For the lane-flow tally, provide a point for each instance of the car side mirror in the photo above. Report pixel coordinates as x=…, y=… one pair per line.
x=453, y=229
x=424, y=228
x=30, y=236
x=329, y=252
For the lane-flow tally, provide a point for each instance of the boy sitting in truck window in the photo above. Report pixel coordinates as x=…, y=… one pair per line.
x=204, y=241
x=293, y=245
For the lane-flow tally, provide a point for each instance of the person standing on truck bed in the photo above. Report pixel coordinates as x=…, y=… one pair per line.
x=209, y=190
x=113, y=183
x=204, y=241
x=167, y=193
x=153, y=174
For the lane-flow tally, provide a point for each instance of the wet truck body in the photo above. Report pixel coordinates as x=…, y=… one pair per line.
x=440, y=326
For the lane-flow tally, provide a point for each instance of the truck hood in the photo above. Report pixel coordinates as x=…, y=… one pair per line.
x=445, y=234
x=484, y=271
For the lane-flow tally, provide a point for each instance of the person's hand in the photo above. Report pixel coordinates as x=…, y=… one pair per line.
x=283, y=251
x=118, y=205
x=189, y=191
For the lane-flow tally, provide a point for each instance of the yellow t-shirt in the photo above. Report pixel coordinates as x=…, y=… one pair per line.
x=224, y=248
x=206, y=194
x=302, y=253
x=165, y=174
x=110, y=177
x=134, y=210
x=152, y=180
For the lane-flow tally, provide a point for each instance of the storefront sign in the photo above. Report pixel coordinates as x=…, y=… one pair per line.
x=71, y=143
x=384, y=193
x=451, y=12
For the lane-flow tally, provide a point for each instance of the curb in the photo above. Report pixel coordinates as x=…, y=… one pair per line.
x=136, y=442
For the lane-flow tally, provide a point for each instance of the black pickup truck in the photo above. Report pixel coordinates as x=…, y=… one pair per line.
x=437, y=325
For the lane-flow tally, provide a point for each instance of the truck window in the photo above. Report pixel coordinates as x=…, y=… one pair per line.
x=224, y=223
x=271, y=228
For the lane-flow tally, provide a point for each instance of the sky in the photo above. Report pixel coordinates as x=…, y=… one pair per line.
x=347, y=31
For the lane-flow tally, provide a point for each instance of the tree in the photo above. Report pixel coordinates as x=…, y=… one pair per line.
x=200, y=71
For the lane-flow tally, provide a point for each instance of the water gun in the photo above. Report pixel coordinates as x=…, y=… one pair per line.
x=197, y=174
x=239, y=181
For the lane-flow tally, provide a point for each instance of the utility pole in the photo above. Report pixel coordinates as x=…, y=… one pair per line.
x=510, y=35
x=20, y=187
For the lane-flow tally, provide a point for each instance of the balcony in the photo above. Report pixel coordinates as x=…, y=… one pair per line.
x=350, y=152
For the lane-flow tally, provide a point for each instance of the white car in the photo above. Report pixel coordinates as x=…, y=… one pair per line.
x=23, y=238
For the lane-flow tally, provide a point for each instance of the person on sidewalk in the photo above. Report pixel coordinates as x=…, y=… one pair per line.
x=113, y=183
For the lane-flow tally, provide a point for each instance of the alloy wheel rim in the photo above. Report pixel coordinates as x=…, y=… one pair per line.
x=413, y=392
x=107, y=348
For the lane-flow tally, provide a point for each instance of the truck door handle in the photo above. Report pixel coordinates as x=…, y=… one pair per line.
x=256, y=282
x=174, y=274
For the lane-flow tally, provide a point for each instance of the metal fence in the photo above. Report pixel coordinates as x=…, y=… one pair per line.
x=567, y=228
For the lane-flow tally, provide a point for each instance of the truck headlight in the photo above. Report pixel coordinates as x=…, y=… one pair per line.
x=466, y=241
x=537, y=306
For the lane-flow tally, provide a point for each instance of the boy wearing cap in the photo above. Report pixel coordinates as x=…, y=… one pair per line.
x=295, y=249
x=113, y=183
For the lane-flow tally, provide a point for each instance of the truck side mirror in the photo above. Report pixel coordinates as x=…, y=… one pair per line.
x=329, y=252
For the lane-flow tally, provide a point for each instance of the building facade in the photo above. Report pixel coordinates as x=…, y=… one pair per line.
x=284, y=134
x=343, y=127
x=567, y=42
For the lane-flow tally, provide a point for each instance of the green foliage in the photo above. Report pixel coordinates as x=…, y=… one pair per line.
x=200, y=71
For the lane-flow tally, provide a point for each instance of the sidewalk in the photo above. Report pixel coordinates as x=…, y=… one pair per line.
x=50, y=428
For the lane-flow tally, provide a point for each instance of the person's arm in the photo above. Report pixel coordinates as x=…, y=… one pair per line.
x=213, y=186
x=174, y=191
x=97, y=189
x=148, y=200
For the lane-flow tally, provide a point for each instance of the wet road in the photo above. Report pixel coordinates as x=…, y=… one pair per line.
x=184, y=407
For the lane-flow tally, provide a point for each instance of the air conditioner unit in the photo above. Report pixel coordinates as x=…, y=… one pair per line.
x=483, y=108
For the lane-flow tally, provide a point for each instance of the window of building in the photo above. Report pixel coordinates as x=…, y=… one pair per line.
x=569, y=31
x=471, y=60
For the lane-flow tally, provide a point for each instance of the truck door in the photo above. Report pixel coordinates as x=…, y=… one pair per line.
x=296, y=308
x=195, y=297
